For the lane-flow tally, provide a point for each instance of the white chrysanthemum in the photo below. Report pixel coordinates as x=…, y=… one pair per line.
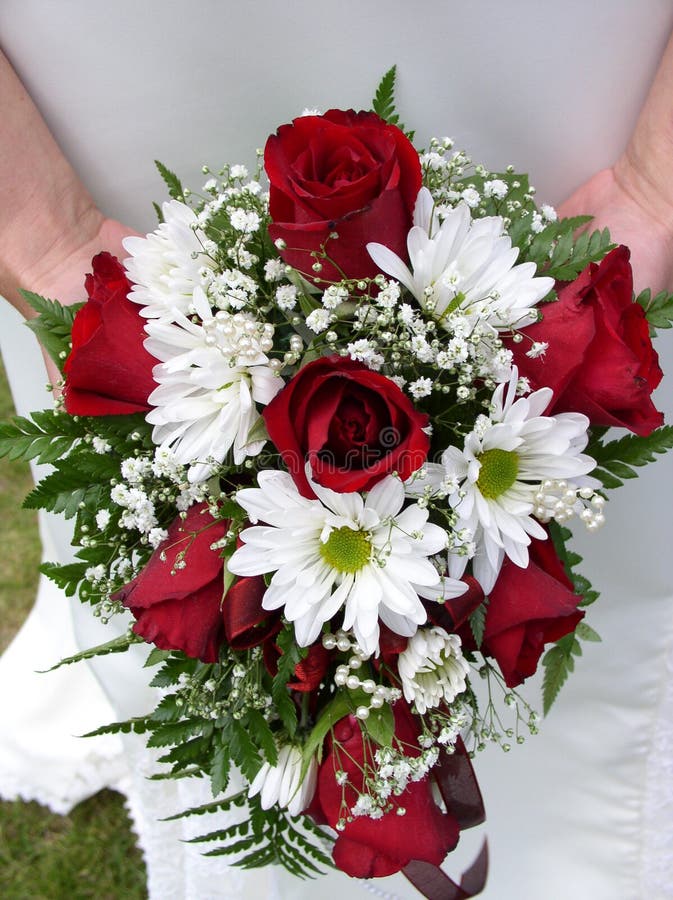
x=210, y=378
x=432, y=668
x=165, y=266
x=492, y=482
x=465, y=264
x=365, y=556
x=282, y=784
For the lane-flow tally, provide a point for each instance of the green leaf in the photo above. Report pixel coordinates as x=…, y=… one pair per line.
x=156, y=656
x=543, y=244
x=341, y=705
x=53, y=325
x=45, y=437
x=238, y=829
x=232, y=802
x=478, y=622
x=139, y=725
x=167, y=710
x=276, y=837
x=117, y=645
x=558, y=663
x=231, y=848
x=258, y=432
x=262, y=735
x=67, y=577
x=658, y=309
x=291, y=655
x=173, y=733
x=172, y=182
x=242, y=749
x=383, y=103
x=586, y=633
x=173, y=668
x=220, y=767
x=380, y=725
x=74, y=481
x=570, y=559
x=616, y=459
x=189, y=753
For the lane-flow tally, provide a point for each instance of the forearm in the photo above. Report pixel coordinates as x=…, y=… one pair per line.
x=46, y=213
x=645, y=170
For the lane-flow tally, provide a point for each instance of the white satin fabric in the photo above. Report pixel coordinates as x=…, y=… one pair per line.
x=585, y=809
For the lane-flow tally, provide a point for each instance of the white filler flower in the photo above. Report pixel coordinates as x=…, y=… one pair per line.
x=464, y=265
x=493, y=480
x=211, y=376
x=340, y=551
x=165, y=266
x=433, y=668
x=281, y=784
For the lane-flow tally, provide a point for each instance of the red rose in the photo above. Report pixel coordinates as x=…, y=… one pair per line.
x=108, y=371
x=373, y=848
x=355, y=426
x=179, y=608
x=528, y=608
x=600, y=360
x=344, y=172
x=183, y=608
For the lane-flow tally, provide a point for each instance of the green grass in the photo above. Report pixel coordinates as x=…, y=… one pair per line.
x=18, y=533
x=91, y=853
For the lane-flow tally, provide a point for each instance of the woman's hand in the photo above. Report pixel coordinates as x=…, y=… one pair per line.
x=615, y=199
x=634, y=198
x=61, y=275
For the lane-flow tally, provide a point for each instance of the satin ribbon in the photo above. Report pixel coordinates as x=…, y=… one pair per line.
x=458, y=786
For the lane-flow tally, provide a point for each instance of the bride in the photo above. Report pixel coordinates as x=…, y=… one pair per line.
x=583, y=809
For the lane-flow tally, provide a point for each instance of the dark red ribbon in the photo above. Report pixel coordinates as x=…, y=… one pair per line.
x=460, y=791
x=435, y=884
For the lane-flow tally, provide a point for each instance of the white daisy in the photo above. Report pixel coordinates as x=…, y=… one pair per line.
x=165, y=266
x=492, y=482
x=464, y=264
x=368, y=556
x=210, y=377
x=432, y=668
x=282, y=784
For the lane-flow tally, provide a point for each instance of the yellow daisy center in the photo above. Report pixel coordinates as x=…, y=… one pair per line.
x=498, y=472
x=346, y=550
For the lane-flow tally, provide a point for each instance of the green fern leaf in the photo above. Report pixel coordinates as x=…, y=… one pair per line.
x=53, y=325
x=172, y=182
x=383, y=103
x=117, y=645
x=617, y=459
x=658, y=309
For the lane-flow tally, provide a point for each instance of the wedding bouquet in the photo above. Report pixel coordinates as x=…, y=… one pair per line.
x=322, y=438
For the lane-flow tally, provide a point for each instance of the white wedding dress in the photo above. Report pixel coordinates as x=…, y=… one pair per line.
x=585, y=809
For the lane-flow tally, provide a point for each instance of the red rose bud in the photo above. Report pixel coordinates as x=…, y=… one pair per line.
x=311, y=670
x=373, y=848
x=600, y=360
x=246, y=623
x=355, y=426
x=527, y=609
x=182, y=607
x=178, y=608
x=108, y=371
x=348, y=173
